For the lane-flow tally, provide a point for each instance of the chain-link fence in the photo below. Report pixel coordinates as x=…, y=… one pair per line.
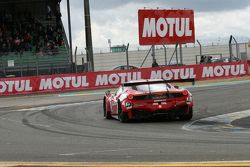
x=107, y=61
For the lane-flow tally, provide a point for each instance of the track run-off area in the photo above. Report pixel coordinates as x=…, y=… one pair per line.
x=69, y=130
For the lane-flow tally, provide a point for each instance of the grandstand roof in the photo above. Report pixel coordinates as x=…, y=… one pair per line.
x=37, y=7
x=7, y=2
x=21, y=1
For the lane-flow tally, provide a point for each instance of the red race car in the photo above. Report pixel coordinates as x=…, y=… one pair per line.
x=148, y=98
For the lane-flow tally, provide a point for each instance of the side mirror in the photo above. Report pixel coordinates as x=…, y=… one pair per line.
x=176, y=87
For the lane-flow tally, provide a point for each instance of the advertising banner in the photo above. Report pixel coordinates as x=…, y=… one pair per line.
x=157, y=27
x=106, y=79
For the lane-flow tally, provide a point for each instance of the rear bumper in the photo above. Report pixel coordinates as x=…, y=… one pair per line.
x=173, y=111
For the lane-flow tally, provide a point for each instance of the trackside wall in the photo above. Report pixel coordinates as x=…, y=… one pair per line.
x=107, y=79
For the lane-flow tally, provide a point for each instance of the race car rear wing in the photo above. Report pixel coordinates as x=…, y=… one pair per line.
x=140, y=82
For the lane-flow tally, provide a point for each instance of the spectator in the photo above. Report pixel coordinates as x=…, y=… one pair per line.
x=58, y=14
x=27, y=41
x=155, y=64
x=11, y=44
x=59, y=40
x=39, y=48
x=5, y=48
x=30, y=27
x=23, y=32
x=8, y=46
x=49, y=13
x=46, y=38
x=41, y=31
x=22, y=45
x=1, y=46
x=50, y=32
x=1, y=33
x=17, y=42
x=202, y=61
x=46, y=49
x=209, y=59
x=54, y=48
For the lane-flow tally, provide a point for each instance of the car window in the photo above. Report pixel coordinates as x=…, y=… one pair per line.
x=158, y=87
x=151, y=87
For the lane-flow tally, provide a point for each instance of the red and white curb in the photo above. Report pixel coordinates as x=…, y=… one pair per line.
x=219, y=123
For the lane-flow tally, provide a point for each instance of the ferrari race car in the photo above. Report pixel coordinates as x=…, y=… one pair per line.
x=148, y=98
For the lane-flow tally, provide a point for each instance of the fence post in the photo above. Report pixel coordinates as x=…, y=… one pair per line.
x=165, y=54
x=181, y=58
x=177, y=60
x=146, y=56
x=37, y=64
x=127, y=56
x=199, y=46
x=21, y=60
x=75, y=60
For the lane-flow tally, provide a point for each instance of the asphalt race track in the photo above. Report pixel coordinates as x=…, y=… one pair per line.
x=71, y=128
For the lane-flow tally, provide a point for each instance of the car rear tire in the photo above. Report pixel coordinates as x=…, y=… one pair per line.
x=189, y=115
x=122, y=116
x=106, y=114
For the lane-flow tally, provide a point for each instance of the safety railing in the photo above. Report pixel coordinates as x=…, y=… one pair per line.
x=30, y=63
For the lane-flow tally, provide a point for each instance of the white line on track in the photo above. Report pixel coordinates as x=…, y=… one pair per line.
x=99, y=151
x=129, y=164
x=57, y=105
x=41, y=109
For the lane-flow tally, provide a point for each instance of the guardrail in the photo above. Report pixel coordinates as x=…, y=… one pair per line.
x=30, y=63
x=108, y=79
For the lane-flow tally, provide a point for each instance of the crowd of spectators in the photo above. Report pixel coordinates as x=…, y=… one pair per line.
x=22, y=31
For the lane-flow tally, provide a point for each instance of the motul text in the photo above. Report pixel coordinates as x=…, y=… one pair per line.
x=157, y=27
x=91, y=80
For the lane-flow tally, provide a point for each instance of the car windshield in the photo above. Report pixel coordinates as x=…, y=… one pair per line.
x=151, y=87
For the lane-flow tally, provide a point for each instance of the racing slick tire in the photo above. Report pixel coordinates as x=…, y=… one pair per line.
x=122, y=116
x=188, y=116
x=106, y=114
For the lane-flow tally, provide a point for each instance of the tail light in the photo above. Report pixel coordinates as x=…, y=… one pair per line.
x=185, y=92
x=189, y=99
x=130, y=96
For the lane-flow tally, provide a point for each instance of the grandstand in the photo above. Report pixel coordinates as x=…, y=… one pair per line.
x=32, y=38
